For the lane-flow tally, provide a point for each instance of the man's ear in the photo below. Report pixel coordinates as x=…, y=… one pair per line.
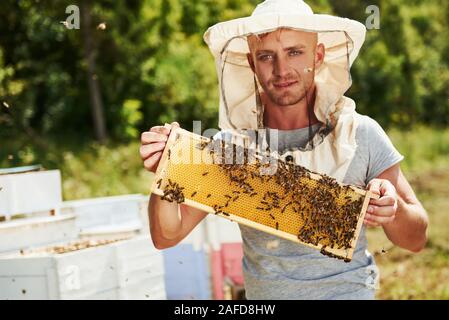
x=251, y=61
x=319, y=55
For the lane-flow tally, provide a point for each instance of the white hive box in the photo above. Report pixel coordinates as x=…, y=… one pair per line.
x=36, y=231
x=187, y=269
x=110, y=232
x=91, y=214
x=30, y=192
x=129, y=269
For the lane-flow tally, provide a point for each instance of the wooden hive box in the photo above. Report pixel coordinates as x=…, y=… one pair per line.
x=294, y=203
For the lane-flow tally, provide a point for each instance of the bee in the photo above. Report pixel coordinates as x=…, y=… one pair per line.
x=205, y=174
x=193, y=194
x=202, y=145
x=102, y=26
x=209, y=195
x=285, y=207
x=277, y=225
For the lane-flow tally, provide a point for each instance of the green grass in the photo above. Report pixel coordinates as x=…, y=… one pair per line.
x=425, y=275
x=424, y=148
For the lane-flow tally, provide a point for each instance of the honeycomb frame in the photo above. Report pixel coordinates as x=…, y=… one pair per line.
x=194, y=180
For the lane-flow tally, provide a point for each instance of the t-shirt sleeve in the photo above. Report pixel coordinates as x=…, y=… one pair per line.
x=381, y=152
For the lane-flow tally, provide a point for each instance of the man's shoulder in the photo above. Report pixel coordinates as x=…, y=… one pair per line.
x=367, y=126
x=365, y=121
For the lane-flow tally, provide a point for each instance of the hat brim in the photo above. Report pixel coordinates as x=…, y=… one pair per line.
x=220, y=35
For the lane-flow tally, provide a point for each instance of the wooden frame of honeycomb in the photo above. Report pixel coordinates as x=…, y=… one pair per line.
x=294, y=203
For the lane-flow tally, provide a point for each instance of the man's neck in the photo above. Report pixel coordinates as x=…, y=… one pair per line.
x=290, y=117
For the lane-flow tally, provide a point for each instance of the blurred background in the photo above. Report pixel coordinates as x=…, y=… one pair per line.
x=77, y=100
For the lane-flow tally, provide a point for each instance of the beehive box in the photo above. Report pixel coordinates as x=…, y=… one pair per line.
x=30, y=192
x=106, y=211
x=36, y=231
x=294, y=203
x=187, y=271
x=130, y=269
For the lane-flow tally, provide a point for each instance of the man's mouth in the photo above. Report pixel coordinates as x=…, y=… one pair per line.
x=282, y=85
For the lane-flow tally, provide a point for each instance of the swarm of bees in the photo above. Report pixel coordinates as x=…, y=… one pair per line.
x=173, y=192
x=328, y=210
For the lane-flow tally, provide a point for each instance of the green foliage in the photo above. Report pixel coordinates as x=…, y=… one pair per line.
x=401, y=77
x=152, y=53
x=101, y=171
x=131, y=116
x=424, y=148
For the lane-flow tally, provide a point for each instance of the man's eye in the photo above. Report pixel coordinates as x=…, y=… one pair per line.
x=296, y=52
x=265, y=57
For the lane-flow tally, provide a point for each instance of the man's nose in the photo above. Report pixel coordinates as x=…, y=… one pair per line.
x=281, y=67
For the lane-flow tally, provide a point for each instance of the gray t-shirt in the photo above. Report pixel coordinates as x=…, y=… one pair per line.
x=275, y=268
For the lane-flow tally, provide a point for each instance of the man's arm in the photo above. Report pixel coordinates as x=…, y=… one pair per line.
x=398, y=211
x=170, y=222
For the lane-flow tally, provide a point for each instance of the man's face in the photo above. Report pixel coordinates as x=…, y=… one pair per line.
x=284, y=61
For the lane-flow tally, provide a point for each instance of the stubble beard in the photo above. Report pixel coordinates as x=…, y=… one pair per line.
x=288, y=98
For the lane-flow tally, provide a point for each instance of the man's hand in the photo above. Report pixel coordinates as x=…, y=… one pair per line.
x=153, y=144
x=382, y=211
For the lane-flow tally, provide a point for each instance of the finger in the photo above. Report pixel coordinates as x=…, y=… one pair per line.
x=174, y=126
x=383, y=201
x=161, y=130
x=379, y=219
x=386, y=211
x=374, y=186
x=151, y=163
x=148, y=149
x=150, y=137
x=371, y=224
x=387, y=188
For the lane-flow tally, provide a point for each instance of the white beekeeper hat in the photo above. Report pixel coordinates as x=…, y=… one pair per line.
x=227, y=41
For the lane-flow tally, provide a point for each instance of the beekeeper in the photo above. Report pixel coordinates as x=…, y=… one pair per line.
x=286, y=70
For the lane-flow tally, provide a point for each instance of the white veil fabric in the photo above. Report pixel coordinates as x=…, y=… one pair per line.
x=334, y=145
